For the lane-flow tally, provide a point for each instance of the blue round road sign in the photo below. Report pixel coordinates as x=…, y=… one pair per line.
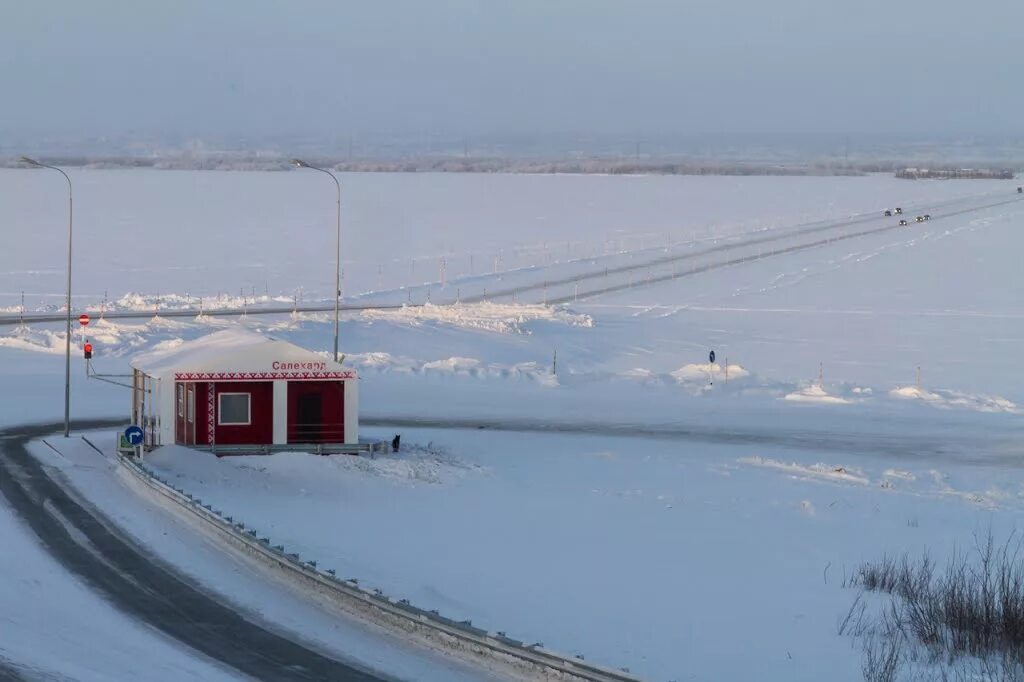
x=711, y=356
x=133, y=434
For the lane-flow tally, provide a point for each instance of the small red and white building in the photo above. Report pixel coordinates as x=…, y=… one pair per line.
x=237, y=388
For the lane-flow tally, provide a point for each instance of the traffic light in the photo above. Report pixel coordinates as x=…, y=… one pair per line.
x=88, y=350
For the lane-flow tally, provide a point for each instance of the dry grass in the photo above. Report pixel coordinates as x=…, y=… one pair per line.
x=967, y=619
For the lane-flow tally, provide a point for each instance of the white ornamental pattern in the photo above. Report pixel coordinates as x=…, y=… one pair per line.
x=263, y=376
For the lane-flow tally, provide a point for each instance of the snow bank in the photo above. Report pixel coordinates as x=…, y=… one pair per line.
x=831, y=472
x=172, y=301
x=815, y=394
x=949, y=399
x=701, y=373
x=499, y=318
x=38, y=340
x=455, y=366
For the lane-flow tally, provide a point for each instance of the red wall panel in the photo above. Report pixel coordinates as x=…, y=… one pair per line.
x=326, y=427
x=260, y=431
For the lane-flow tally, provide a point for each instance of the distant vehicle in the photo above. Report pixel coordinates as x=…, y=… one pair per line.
x=1020, y=190
x=919, y=219
x=903, y=222
x=888, y=212
x=899, y=211
x=927, y=216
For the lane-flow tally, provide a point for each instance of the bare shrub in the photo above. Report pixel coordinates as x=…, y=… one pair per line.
x=969, y=615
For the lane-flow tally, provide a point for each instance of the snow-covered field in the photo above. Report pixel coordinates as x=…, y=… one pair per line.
x=224, y=234
x=645, y=509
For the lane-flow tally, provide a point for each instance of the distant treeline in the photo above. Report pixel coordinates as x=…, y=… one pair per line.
x=956, y=173
x=606, y=166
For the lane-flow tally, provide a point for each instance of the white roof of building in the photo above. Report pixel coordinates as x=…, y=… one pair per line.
x=241, y=352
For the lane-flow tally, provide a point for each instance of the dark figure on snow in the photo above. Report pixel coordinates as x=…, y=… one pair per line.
x=395, y=442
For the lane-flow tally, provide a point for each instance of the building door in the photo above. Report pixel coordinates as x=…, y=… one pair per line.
x=179, y=413
x=316, y=412
x=190, y=423
x=308, y=418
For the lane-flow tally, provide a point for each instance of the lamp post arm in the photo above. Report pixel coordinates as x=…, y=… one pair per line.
x=337, y=270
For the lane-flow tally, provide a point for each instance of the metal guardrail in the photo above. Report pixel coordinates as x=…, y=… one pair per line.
x=312, y=448
x=472, y=643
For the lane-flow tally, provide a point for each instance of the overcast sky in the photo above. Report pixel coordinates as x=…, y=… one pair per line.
x=197, y=67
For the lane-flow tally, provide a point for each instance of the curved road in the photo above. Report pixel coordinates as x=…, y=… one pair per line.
x=130, y=578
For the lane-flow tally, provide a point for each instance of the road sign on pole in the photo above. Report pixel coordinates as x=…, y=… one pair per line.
x=711, y=356
x=83, y=320
x=133, y=434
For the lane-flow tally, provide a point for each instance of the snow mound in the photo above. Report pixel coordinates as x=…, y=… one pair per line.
x=307, y=475
x=957, y=400
x=137, y=301
x=699, y=373
x=640, y=374
x=815, y=394
x=490, y=317
x=37, y=340
x=454, y=365
x=415, y=464
x=832, y=472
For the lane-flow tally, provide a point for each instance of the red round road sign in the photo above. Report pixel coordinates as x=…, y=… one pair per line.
x=83, y=320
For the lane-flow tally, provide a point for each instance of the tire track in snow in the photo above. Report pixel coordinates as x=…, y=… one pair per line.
x=771, y=236
x=699, y=269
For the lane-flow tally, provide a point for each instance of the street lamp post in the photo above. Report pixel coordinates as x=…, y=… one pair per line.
x=337, y=270
x=67, y=338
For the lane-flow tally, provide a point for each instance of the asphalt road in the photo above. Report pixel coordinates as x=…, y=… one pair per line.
x=1002, y=449
x=139, y=584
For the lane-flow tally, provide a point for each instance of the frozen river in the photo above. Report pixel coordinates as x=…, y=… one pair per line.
x=272, y=233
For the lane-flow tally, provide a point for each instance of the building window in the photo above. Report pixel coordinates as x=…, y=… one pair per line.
x=234, y=409
x=191, y=405
x=181, y=400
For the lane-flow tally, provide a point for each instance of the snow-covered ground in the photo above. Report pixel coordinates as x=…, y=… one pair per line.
x=54, y=627
x=222, y=235
x=258, y=593
x=646, y=510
